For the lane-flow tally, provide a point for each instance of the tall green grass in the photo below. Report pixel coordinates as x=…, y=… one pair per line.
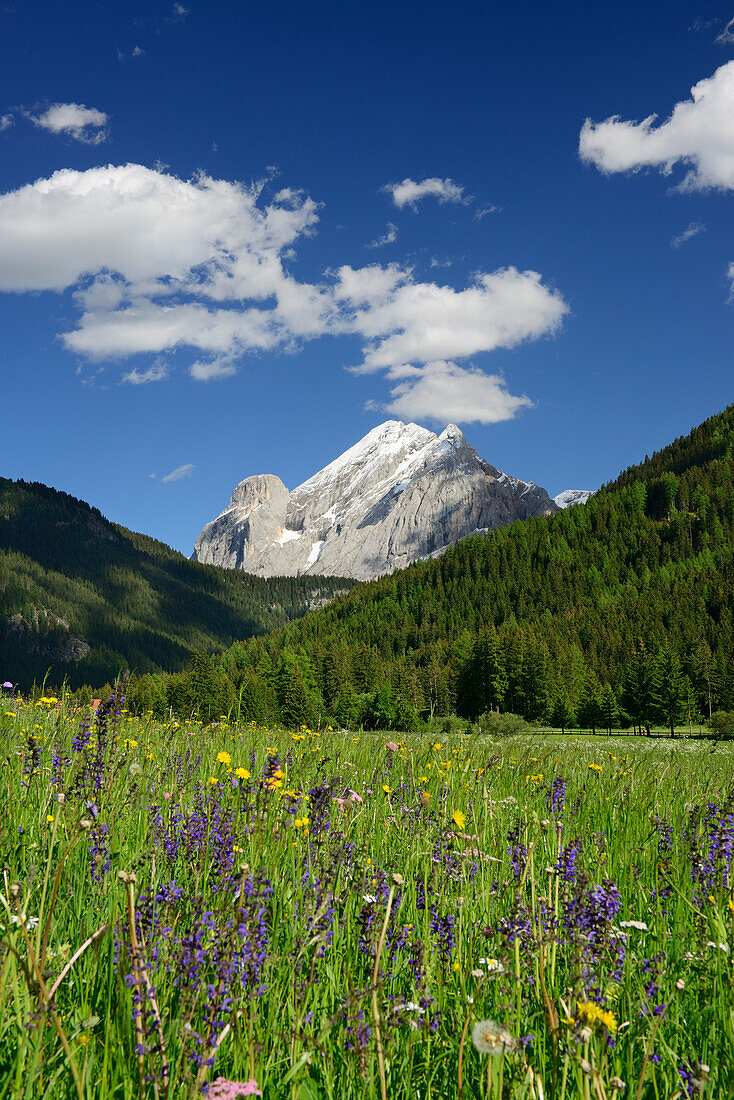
x=182, y=923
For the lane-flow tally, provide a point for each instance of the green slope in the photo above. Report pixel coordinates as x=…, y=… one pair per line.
x=548, y=609
x=83, y=597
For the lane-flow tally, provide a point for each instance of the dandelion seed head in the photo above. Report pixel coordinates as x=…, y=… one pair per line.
x=491, y=1038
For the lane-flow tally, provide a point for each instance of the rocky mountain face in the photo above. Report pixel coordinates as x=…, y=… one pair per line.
x=400, y=494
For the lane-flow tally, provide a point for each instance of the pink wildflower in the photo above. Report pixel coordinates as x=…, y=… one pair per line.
x=391, y=746
x=222, y=1089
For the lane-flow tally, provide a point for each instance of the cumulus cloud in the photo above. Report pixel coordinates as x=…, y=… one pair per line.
x=6, y=121
x=410, y=193
x=443, y=391
x=180, y=471
x=85, y=124
x=403, y=321
x=156, y=372
x=388, y=237
x=156, y=263
x=692, y=231
x=698, y=134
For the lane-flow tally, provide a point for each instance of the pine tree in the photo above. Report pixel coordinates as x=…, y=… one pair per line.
x=670, y=688
x=561, y=713
x=639, y=692
x=608, y=708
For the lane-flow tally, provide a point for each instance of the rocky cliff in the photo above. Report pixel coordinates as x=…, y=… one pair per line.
x=400, y=494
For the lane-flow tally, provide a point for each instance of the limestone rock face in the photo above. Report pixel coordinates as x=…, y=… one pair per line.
x=400, y=494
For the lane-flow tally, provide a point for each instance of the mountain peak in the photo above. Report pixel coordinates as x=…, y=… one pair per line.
x=399, y=494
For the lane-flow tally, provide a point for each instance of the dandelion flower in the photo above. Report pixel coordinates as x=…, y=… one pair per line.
x=459, y=819
x=491, y=1038
x=224, y=758
x=242, y=773
x=213, y=781
x=387, y=790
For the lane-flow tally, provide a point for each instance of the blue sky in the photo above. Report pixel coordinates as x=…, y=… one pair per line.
x=234, y=238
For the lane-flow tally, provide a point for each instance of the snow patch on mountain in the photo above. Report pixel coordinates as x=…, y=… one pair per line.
x=573, y=496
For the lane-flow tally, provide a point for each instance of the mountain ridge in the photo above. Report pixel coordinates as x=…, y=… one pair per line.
x=82, y=597
x=400, y=494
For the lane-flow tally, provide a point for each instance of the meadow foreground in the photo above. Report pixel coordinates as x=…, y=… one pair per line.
x=231, y=911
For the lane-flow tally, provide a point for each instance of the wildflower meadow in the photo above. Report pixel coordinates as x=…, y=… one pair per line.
x=227, y=910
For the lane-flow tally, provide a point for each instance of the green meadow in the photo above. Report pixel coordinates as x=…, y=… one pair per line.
x=233, y=910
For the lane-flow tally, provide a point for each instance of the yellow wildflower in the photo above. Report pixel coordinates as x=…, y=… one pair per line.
x=213, y=781
x=590, y=1013
x=459, y=819
x=224, y=758
x=242, y=773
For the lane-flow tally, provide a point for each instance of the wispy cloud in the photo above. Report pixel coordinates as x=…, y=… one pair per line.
x=492, y=208
x=388, y=237
x=180, y=472
x=156, y=372
x=692, y=231
x=6, y=121
x=410, y=193
x=85, y=124
x=699, y=134
x=727, y=35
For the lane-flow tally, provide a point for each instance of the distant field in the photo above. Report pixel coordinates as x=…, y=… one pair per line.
x=335, y=915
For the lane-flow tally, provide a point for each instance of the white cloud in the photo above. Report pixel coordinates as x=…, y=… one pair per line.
x=443, y=391
x=156, y=263
x=727, y=35
x=698, y=134
x=388, y=237
x=138, y=51
x=178, y=473
x=492, y=208
x=410, y=193
x=210, y=370
x=156, y=372
x=85, y=124
x=730, y=277
x=692, y=231
x=6, y=121
x=407, y=322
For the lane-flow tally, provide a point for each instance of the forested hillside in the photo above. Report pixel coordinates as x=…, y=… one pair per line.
x=82, y=598
x=624, y=603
